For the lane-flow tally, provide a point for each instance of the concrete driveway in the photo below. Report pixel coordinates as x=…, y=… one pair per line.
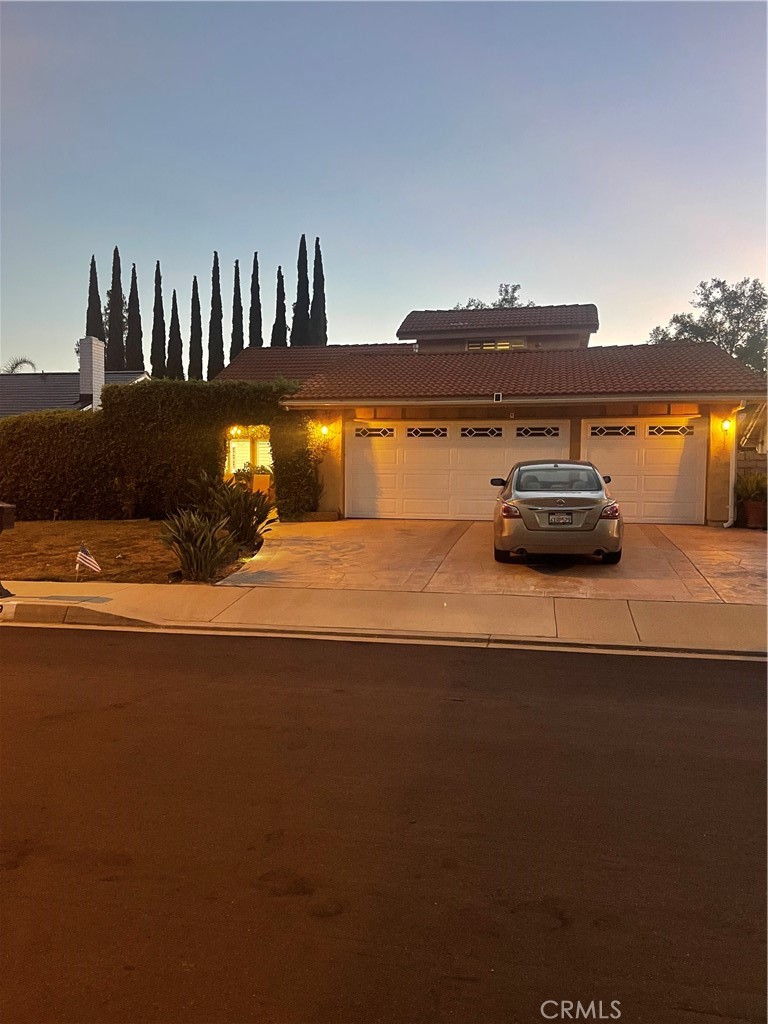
x=660, y=563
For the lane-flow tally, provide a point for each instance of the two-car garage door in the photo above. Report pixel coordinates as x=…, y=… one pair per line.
x=436, y=470
x=441, y=470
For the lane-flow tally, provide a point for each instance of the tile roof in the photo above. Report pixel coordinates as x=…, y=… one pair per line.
x=361, y=373
x=36, y=392
x=422, y=322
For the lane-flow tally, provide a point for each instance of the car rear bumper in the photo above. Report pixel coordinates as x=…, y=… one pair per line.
x=514, y=535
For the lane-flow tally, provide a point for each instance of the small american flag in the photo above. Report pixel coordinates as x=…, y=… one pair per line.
x=84, y=557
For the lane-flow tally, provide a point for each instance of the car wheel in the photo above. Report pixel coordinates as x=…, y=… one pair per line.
x=612, y=557
x=502, y=556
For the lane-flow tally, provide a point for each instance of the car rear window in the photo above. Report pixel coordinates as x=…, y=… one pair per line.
x=557, y=478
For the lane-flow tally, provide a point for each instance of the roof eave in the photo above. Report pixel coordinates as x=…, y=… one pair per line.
x=558, y=399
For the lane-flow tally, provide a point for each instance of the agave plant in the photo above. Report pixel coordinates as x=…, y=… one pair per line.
x=249, y=513
x=202, y=543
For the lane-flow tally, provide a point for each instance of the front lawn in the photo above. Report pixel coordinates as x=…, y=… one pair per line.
x=128, y=551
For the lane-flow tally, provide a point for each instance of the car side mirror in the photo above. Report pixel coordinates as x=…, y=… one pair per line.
x=497, y=481
x=607, y=479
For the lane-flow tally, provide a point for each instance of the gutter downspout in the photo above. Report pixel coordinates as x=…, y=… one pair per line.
x=732, y=479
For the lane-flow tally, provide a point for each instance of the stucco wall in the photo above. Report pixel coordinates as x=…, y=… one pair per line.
x=719, y=464
x=331, y=469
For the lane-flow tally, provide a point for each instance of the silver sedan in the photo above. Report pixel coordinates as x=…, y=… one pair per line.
x=556, y=508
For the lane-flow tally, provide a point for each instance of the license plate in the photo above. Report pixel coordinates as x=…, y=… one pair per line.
x=560, y=518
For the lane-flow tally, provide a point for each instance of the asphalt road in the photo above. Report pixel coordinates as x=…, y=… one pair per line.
x=228, y=830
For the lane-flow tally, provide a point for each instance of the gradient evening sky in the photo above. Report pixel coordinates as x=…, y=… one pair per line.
x=594, y=152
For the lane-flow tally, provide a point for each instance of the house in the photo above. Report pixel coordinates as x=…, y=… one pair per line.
x=38, y=392
x=416, y=429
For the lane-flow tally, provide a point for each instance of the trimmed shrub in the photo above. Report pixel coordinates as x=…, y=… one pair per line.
x=249, y=514
x=297, y=481
x=60, y=464
x=133, y=458
x=202, y=543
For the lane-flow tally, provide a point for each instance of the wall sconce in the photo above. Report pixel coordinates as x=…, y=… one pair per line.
x=726, y=426
x=324, y=430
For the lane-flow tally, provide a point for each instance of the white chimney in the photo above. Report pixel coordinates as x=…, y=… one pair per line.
x=91, y=371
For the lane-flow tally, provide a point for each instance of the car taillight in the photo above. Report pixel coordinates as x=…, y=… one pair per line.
x=611, y=511
x=510, y=511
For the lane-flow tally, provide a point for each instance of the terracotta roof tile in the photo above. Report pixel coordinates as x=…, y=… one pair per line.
x=361, y=373
x=422, y=322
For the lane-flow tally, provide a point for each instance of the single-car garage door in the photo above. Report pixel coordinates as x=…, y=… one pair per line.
x=657, y=466
x=439, y=470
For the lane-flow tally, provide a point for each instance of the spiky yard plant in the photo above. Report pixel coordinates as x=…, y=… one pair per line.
x=202, y=543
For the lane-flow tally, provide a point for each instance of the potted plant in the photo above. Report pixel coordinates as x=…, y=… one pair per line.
x=752, y=499
x=262, y=479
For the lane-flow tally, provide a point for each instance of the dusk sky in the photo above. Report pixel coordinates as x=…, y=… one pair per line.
x=593, y=152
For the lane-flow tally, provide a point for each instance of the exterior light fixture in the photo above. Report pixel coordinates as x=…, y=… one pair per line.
x=324, y=430
x=726, y=425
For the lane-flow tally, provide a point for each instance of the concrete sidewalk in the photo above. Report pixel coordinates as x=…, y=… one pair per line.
x=478, y=618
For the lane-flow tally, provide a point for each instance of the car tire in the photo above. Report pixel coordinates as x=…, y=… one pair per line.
x=502, y=556
x=612, y=557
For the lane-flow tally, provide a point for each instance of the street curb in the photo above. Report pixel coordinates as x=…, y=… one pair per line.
x=65, y=614
x=79, y=615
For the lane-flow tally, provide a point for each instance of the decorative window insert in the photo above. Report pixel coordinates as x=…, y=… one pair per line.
x=374, y=431
x=666, y=430
x=481, y=432
x=503, y=345
x=426, y=432
x=613, y=430
x=537, y=432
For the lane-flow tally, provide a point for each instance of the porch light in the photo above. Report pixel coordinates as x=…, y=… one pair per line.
x=726, y=425
x=324, y=430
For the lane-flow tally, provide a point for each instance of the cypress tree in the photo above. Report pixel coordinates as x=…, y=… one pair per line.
x=300, y=325
x=318, y=320
x=116, y=326
x=94, y=323
x=237, y=317
x=195, y=336
x=134, y=352
x=175, y=368
x=215, y=334
x=255, y=338
x=280, y=328
x=157, y=354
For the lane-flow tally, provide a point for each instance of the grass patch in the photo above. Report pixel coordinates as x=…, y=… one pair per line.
x=128, y=551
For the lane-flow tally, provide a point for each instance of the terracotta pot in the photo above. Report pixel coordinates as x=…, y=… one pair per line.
x=756, y=514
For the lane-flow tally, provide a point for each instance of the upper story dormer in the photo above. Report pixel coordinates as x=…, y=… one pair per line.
x=500, y=330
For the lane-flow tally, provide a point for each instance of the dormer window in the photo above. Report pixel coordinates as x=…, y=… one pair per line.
x=502, y=345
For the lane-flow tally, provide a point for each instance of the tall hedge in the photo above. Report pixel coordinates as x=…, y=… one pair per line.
x=295, y=465
x=59, y=463
x=135, y=457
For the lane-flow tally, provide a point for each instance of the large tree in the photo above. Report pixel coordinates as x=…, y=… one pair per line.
x=318, y=320
x=255, y=338
x=195, y=336
x=280, y=327
x=508, y=299
x=107, y=313
x=175, y=368
x=300, y=325
x=94, y=323
x=236, y=346
x=157, y=354
x=116, y=322
x=215, y=329
x=134, y=350
x=732, y=316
